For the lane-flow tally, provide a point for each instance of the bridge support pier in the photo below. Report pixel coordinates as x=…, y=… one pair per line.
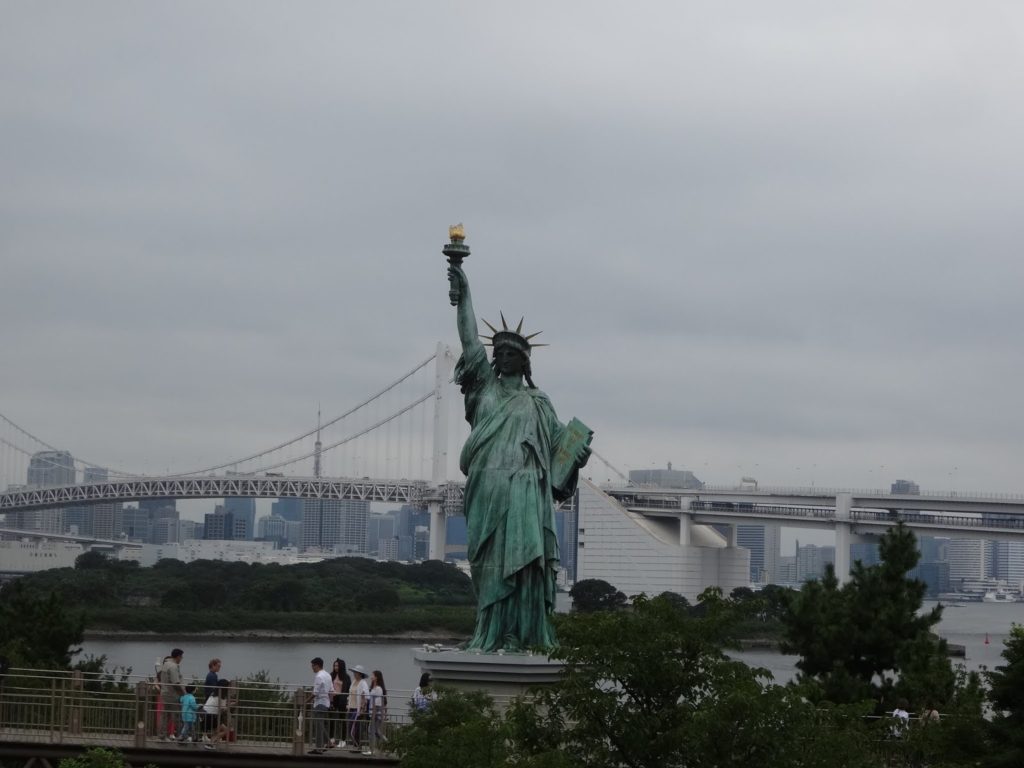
x=843, y=537
x=685, y=526
x=438, y=530
x=443, y=361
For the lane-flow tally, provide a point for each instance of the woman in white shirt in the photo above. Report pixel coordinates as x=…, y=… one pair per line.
x=358, y=699
x=378, y=709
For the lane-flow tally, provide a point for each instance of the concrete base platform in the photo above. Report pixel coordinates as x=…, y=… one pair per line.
x=501, y=675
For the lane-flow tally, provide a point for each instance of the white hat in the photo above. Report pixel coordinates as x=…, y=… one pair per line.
x=358, y=668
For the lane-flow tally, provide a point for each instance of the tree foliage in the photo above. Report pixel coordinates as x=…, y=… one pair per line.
x=38, y=630
x=865, y=639
x=458, y=729
x=1006, y=694
x=595, y=595
x=371, y=596
x=647, y=687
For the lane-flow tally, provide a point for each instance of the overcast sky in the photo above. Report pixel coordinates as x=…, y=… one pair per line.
x=772, y=239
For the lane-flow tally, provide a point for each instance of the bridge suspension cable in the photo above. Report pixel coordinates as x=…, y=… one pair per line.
x=351, y=437
x=49, y=447
x=313, y=431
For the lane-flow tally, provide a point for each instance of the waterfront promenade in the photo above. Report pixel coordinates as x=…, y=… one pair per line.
x=47, y=715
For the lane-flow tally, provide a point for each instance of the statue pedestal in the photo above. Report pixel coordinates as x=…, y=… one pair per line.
x=503, y=676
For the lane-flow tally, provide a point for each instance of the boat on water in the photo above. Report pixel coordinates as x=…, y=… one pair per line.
x=998, y=596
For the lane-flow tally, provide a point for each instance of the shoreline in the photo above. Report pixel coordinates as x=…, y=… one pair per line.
x=258, y=635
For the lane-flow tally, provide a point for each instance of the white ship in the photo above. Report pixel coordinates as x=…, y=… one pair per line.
x=998, y=596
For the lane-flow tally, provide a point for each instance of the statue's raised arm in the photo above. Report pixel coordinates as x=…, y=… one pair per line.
x=458, y=290
x=458, y=294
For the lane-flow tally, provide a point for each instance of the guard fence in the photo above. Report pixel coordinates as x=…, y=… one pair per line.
x=74, y=707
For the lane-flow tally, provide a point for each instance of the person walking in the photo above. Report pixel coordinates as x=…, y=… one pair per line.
x=188, y=715
x=171, y=691
x=358, y=699
x=212, y=680
x=339, y=702
x=321, y=698
x=378, y=707
x=214, y=711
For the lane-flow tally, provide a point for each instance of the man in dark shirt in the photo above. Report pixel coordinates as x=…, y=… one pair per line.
x=212, y=680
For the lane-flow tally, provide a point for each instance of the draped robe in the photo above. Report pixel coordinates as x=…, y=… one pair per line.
x=509, y=506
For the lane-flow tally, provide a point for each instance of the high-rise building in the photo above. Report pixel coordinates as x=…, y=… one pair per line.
x=567, y=525
x=387, y=549
x=165, y=531
x=1009, y=562
x=379, y=527
x=811, y=561
x=159, y=507
x=456, y=538
x=242, y=508
x=221, y=524
x=932, y=548
x=334, y=525
x=189, y=529
x=136, y=524
x=865, y=552
x=664, y=478
x=105, y=517
x=935, y=575
x=968, y=559
x=272, y=527
x=763, y=542
x=77, y=521
x=288, y=509
x=906, y=487
x=48, y=468
x=421, y=543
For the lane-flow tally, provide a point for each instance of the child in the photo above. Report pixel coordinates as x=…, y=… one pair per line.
x=188, y=714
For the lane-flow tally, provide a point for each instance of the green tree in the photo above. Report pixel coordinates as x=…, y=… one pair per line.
x=1006, y=694
x=458, y=729
x=595, y=595
x=98, y=757
x=865, y=639
x=653, y=686
x=90, y=559
x=37, y=631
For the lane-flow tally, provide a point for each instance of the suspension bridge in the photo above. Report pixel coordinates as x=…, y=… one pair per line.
x=390, y=447
x=393, y=447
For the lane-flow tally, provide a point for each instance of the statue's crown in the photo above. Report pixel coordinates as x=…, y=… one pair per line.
x=506, y=337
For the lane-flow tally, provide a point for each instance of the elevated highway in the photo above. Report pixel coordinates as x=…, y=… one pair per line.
x=851, y=514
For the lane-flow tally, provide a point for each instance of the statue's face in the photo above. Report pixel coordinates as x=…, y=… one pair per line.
x=509, y=361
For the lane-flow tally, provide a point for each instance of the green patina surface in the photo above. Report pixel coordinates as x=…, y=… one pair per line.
x=509, y=460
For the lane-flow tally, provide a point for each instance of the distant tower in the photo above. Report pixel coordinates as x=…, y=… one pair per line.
x=318, y=448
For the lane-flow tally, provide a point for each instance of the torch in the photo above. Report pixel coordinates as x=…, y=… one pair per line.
x=456, y=251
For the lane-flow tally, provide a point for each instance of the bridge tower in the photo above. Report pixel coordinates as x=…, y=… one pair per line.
x=439, y=475
x=318, y=446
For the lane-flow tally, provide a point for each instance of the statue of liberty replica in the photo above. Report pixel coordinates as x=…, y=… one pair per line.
x=519, y=460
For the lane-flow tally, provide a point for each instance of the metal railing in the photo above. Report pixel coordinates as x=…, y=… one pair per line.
x=74, y=707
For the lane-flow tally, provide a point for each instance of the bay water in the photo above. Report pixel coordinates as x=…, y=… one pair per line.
x=979, y=627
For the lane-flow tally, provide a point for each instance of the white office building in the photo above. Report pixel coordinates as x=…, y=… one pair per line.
x=969, y=559
x=1009, y=562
